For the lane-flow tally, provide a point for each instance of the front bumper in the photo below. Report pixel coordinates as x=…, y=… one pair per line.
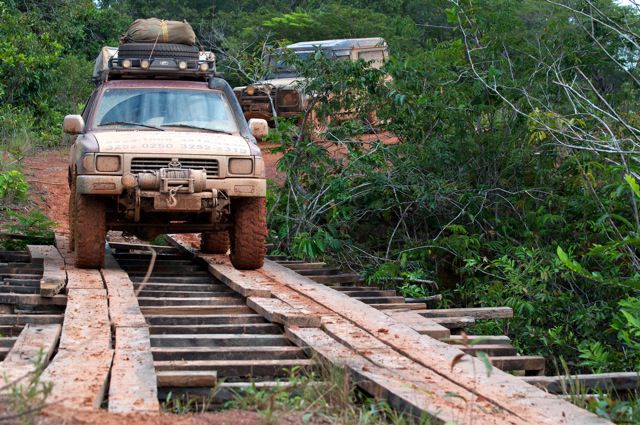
x=233, y=187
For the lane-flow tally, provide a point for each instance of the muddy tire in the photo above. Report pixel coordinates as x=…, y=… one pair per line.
x=90, y=231
x=214, y=242
x=72, y=217
x=249, y=233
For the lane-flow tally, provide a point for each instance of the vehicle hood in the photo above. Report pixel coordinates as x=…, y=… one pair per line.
x=171, y=142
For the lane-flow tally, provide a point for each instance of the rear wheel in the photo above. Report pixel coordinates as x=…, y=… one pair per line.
x=249, y=234
x=214, y=242
x=90, y=231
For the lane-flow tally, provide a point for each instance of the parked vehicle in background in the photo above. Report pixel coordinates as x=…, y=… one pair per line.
x=281, y=93
x=162, y=146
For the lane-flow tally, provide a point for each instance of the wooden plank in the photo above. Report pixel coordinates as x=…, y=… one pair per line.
x=278, y=311
x=219, y=340
x=35, y=319
x=133, y=385
x=32, y=299
x=478, y=313
x=527, y=363
x=36, y=342
x=142, y=247
x=477, y=339
x=236, y=368
x=203, y=319
x=244, y=283
x=501, y=388
x=79, y=379
x=187, y=378
x=421, y=324
x=189, y=301
x=84, y=279
x=617, y=381
x=249, y=328
x=490, y=349
x=86, y=324
x=226, y=353
x=197, y=310
x=54, y=277
x=404, y=384
x=454, y=322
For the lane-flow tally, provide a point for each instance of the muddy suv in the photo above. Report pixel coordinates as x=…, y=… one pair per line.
x=166, y=151
x=282, y=93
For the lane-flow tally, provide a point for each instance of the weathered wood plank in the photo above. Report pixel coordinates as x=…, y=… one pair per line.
x=219, y=340
x=278, y=311
x=141, y=247
x=477, y=339
x=478, y=313
x=79, y=378
x=32, y=299
x=244, y=283
x=54, y=277
x=36, y=342
x=388, y=375
x=421, y=324
x=501, y=388
x=244, y=368
x=133, y=386
x=86, y=324
x=191, y=310
x=187, y=378
x=618, y=381
x=527, y=363
x=226, y=353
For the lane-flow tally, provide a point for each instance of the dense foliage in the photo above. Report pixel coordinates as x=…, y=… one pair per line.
x=515, y=177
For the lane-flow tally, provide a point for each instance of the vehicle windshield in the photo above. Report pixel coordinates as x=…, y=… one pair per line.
x=280, y=63
x=162, y=109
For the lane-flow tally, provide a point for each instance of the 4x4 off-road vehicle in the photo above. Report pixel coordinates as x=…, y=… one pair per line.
x=163, y=147
x=282, y=92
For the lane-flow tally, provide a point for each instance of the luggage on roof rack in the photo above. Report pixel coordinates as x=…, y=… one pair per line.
x=169, y=63
x=154, y=30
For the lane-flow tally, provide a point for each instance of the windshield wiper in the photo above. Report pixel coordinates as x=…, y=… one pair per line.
x=213, y=130
x=130, y=123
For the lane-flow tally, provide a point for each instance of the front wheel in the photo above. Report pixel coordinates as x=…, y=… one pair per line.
x=72, y=217
x=90, y=231
x=249, y=233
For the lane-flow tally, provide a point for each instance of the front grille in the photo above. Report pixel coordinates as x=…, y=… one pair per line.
x=139, y=165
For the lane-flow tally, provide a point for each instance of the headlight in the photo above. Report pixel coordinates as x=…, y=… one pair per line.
x=87, y=164
x=288, y=98
x=250, y=90
x=108, y=163
x=240, y=166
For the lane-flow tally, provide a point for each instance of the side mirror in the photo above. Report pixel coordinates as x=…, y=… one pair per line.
x=259, y=127
x=73, y=124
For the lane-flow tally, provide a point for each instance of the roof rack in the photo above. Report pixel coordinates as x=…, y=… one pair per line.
x=110, y=66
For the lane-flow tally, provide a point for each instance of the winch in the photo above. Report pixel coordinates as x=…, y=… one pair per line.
x=165, y=180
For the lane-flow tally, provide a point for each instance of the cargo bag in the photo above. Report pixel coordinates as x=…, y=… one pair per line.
x=155, y=30
x=101, y=67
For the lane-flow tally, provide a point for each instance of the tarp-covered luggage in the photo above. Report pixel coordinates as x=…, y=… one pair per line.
x=154, y=30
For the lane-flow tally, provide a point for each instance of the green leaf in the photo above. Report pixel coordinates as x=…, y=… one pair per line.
x=633, y=184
